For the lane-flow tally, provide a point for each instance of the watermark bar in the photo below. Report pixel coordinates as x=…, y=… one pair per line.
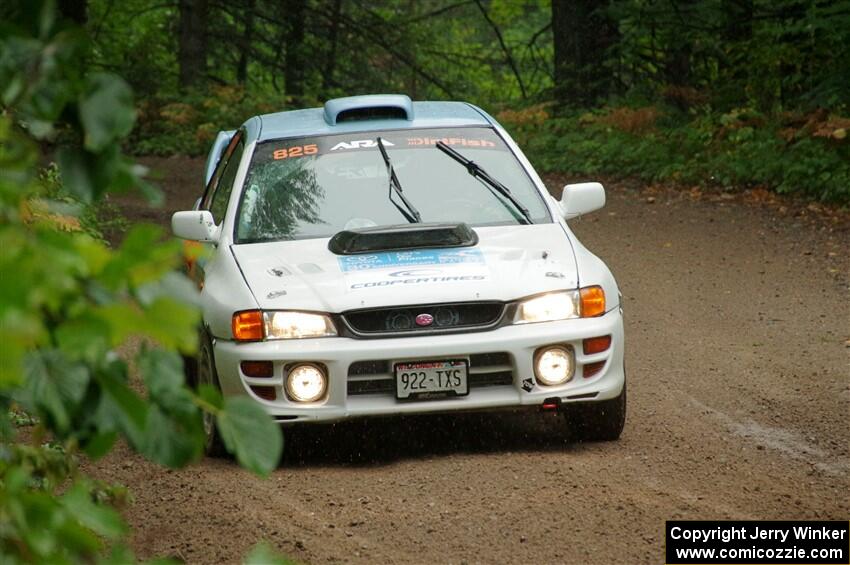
x=693, y=542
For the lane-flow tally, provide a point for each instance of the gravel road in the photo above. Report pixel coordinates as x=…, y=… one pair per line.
x=738, y=356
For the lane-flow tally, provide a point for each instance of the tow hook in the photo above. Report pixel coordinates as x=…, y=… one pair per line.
x=551, y=404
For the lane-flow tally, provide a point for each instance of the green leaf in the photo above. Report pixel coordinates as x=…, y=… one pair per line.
x=86, y=337
x=175, y=285
x=142, y=258
x=77, y=167
x=70, y=536
x=210, y=395
x=165, y=381
x=15, y=480
x=263, y=554
x=174, y=431
x=13, y=356
x=120, y=408
x=54, y=385
x=169, y=442
x=87, y=175
x=250, y=434
x=171, y=323
x=119, y=555
x=162, y=371
x=106, y=111
x=6, y=430
x=99, y=444
x=102, y=519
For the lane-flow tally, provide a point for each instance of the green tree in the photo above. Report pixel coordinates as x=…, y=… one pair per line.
x=69, y=302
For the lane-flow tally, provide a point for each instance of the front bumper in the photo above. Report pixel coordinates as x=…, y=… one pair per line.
x=511, y=348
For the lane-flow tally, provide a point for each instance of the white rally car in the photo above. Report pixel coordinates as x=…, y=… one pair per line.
x=380, y=256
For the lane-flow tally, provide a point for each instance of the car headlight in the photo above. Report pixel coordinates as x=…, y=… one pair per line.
x=297, y=325
x=547, y=307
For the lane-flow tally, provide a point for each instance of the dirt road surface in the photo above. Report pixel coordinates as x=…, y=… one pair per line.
x=738, y=359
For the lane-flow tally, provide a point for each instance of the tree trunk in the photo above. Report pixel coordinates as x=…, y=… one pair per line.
x=677, y=59
x=74, y=10
x=509, y=59
x=192, y=42
x=333, y=39
x=581, y=33
x=412, y=77
x=733, y=68
x=295, y=59
x=245, y=42
x=739, y=19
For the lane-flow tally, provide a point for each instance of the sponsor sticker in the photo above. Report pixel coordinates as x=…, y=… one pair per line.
x=390, y=259
x=464, y=138
x=375, y=282
x=419, y=267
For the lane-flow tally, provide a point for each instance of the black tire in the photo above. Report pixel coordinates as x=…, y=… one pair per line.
x=190, y=370
x=598, y=421
x=206, y=374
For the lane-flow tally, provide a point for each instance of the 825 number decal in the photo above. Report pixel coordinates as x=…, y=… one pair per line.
x=297, y=151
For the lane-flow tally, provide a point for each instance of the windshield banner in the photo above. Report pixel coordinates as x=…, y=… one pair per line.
x=478, y=138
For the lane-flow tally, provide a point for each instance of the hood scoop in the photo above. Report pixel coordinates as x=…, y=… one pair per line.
x=401, y=237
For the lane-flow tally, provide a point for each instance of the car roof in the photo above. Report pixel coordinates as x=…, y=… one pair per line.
x=315, y=121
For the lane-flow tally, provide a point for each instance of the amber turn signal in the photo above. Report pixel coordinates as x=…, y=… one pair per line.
x=248, y=325
x=596, y=344
x=592, y=301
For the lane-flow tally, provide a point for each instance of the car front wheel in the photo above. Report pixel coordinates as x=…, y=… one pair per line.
x=598, y=421
x=206, y=374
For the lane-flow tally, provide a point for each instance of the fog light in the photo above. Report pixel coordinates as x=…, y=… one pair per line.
x=306, y=383
x=553, y=365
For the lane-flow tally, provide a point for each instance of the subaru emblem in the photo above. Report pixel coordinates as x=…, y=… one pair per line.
x=424, y=320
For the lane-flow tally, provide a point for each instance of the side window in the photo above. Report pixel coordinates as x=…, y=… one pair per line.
x=209, y=190
x=218, y=205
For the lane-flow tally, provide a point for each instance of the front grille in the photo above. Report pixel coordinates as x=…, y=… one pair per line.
x=376, y=377
x=425, y=318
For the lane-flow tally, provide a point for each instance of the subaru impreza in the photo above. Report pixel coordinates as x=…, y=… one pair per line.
x=378, y=257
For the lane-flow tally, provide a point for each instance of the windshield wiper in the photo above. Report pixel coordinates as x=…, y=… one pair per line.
x=478, y=172
x=411, y=213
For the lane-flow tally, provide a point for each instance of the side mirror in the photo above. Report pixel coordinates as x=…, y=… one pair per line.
x=581, y=198
x=195, y=225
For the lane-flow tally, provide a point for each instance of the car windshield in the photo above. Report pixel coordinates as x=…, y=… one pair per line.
x=315, y=187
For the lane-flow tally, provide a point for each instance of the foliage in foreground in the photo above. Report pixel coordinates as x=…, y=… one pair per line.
x=807, y=155
x=69, y=303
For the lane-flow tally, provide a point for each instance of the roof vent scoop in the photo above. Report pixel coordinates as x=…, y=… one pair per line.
x=371, y=107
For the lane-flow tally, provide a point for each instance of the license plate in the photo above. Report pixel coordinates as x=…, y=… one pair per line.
x=431, y=379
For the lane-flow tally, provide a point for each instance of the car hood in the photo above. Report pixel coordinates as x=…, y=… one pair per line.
x=508, y=262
